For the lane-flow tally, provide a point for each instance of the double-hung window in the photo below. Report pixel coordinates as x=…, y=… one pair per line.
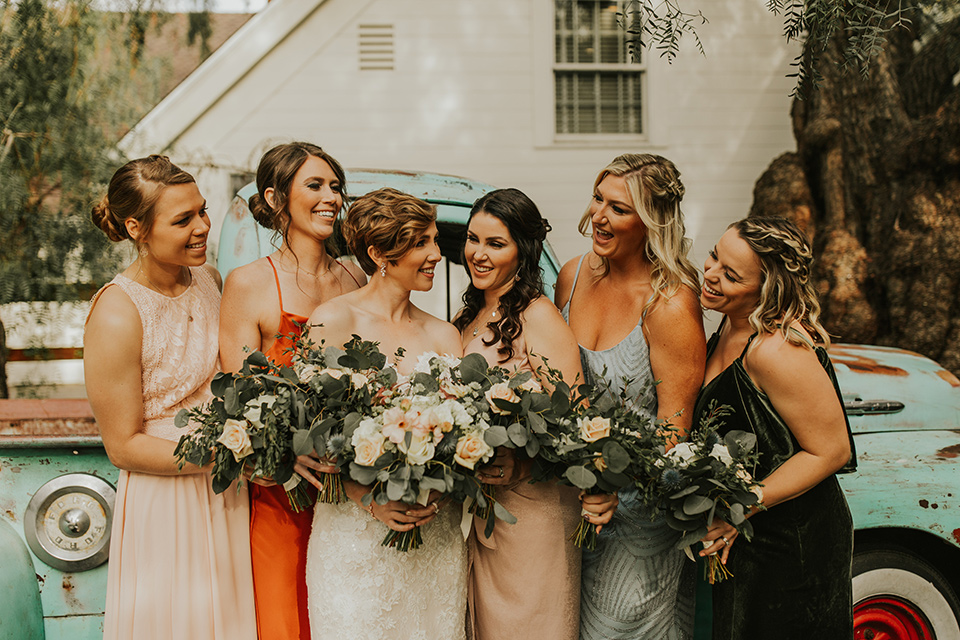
x=598, y=90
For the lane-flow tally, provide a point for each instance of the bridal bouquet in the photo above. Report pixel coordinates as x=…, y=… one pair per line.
x=603, y=446
x=708, y=477
x=341, y=386
x=249, y=427
x=428, y=434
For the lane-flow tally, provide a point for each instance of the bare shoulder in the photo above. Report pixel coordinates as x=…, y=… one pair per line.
x=212, y=270
x=541, y=311
x=774, y=362
x=679, y=312
x=443, y=334
x=114, y=314
x=250, y=279
x=335, y=312
x=565, y=281
x=354, y=270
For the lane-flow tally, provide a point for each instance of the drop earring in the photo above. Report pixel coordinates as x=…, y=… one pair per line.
x=383, y=270
x=143, y=252
x=516, y=278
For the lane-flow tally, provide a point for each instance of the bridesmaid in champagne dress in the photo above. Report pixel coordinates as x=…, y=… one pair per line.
x=525, y=578
x=632, y=304
x=300, y=191
x=179, y=554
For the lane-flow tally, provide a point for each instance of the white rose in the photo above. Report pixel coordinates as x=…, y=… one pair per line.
x=336, y=374
x=593, y=429
x=721, y=453
x=367, y=449
x=235, y=438
x=421, y=449
x=682, y=453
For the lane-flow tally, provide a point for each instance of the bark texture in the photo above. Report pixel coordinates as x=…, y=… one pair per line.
x=875, y=182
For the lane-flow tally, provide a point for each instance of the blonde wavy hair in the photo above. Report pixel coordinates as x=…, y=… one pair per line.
x=655, y=189
x=786, y=293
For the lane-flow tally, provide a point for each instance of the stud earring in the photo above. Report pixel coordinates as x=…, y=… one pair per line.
x=383, y=270
x=143, y=252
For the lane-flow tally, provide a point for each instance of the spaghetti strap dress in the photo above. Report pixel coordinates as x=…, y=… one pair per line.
x=278, y=534
x=179, y=553
x=792, y=581
x=635, y=585
x=524, y=580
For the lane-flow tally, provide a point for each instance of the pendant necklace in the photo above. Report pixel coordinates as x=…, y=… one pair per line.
x=477, y=330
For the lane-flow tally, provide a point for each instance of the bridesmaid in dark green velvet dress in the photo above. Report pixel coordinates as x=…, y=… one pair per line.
x=768, y=362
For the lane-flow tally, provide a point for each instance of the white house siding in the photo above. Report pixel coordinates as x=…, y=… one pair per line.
x=471, y=94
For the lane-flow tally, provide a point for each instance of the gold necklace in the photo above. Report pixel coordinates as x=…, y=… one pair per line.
x=477, y=330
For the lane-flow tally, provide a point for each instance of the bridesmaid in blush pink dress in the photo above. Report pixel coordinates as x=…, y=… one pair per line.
x=525, y=578
x=179, y=554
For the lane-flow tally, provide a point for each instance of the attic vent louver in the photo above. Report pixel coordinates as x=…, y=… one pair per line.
x=376, y=47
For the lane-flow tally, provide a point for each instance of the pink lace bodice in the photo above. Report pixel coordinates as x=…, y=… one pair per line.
x=179, y=354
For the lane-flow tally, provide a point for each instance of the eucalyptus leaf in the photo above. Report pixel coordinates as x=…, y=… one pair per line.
x=581, y=477
x=364, y=475
x=231, y=401
x=615, y=456
x=537, y=423
x=506, y=405
x=182, y=418
x=691, y=537
x=517, y=434
x=682, y=524
x=257, y=359
x=519, y=379
x=503, y=514
x=220, y=383
x=739, y=442
x=560, y=402
x=473, y=368
x=685, y=492
x=350, y=423
x=532, y=447
x=496, y=436
x=396, y=489
x=737, y=515
x=302, y=442
x=697, y=504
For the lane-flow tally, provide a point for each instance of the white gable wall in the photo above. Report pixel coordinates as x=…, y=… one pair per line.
x=470, y=94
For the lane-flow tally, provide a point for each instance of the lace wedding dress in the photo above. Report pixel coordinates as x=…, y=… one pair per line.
x=361, y=590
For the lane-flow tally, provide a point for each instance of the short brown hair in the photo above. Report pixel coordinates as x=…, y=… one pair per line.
x=133, y=193
x=388, y=220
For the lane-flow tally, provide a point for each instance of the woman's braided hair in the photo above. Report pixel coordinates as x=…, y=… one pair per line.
x=787, y=294
x=654, y=185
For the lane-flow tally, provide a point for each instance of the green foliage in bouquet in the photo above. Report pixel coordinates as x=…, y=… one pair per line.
x=707, y=477
x=248, y=426
x=606, y=444
x=340, y=386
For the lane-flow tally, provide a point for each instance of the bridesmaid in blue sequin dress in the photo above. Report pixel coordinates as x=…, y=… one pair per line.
x=632, y=305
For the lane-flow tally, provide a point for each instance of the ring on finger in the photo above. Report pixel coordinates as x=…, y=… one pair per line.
x=501, y=472
x=725, y=541
x=436, y=507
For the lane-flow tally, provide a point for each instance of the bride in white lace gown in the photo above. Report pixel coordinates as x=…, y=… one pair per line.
x=357, y=588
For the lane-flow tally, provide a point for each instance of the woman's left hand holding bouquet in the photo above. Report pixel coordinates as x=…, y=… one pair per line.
x=398, y=516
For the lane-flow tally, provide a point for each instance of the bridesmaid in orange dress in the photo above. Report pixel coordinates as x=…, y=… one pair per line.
x=179, y=553
x=525, y=578
x=300, y=194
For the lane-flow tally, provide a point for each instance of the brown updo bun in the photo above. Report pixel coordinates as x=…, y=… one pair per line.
x=132, y=195
x=276, y=171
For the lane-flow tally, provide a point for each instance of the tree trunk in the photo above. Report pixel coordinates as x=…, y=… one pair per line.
x=876, y=183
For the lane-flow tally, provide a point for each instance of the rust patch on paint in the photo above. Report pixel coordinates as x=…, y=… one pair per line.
x=949, y=377
x=924, y=503
x=949, y=452
x=858, y=362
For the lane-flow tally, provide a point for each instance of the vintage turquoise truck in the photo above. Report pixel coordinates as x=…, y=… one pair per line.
x=56, y=483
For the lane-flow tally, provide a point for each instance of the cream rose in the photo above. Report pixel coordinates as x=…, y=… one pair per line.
x=235, y=438
x=682, y=453
x=593, y=429
x=421, y=449
x=471, y=449
x=533, y=385
x=358, y=379
x=502, y=391
x=367, y=450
